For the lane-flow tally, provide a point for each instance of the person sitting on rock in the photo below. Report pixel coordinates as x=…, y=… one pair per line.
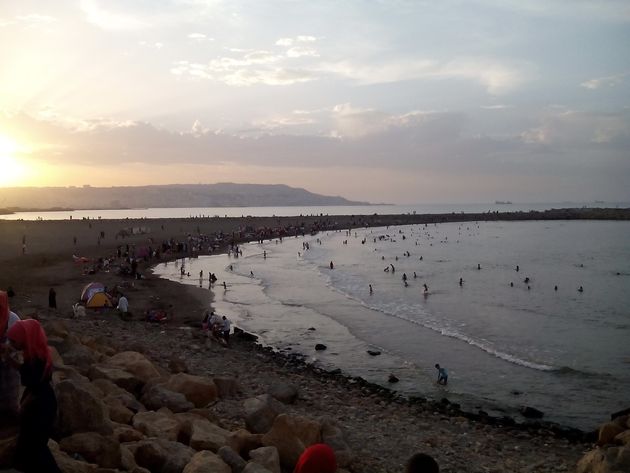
x=421, y=463
x=318, y=458
x=38, y=407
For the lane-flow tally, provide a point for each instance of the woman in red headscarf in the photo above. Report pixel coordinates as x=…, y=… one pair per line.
x=9, y=377
x=38, y=406
x=318, y=458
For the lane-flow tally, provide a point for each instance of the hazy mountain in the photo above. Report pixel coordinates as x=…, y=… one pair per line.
x=176, y=195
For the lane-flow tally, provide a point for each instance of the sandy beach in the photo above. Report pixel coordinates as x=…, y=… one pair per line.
x=382, y=431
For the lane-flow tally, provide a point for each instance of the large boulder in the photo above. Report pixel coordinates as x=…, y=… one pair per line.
x=155, y=396
x=332, y=435
x=79, y=410
x=118, y=376
x=161, y=424
x=161, y=456
x=253, y=467
x=267, y=457
x=135, y=363
x=243, y=441
x=608, y=432
x=94, y=447
x=291, y=435
x=260, y=413
x=67, y=464
x=126, y=433
x=82, y=358
x=283, y=392
x=232, y=459
x=206, y=462
x=605, y=460
x=197, y=389
x=205, y=435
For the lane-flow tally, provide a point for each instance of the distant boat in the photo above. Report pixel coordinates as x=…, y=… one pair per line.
x=502, y=202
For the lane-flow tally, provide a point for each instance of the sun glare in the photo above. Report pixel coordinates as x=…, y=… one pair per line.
x=12, y=170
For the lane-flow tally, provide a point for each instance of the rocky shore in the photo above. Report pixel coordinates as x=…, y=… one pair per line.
x=371, y=428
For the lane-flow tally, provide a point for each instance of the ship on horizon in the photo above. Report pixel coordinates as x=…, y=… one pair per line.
x=502, y=202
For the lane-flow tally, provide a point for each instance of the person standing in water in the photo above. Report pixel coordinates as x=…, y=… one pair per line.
x=442, y=375
x=332, y=266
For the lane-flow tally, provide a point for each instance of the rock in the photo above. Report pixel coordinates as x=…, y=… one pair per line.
x=205, y=435
x=283, y=392
x=268, y=457
x=320, y=347
x=232, y=459
x=66, y=463
x=197, y=389
x=136, y=364
x=161, y=456
x=248, y=337
x=94, y=447
x=228, y=386
x=82, y=358
x=56, y=357
x=291, y=435
x=253, y=467
x=374, y=352
x=206, y=462
x=128, y=462
x=260, y=413
x=623, y=412
x=392, y=379
x=242, y=442
x=156, y=396
x=80, y=411
x=608, y=432
x=531, y=412
x=157, y=424
x=623, y=438
x=118, y=412
x=333, y=436
x=611, y=460
x=118, y=376
x=125, y=433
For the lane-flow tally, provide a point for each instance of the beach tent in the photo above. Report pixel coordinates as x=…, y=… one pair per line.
x=91, y=289
x=98, y=301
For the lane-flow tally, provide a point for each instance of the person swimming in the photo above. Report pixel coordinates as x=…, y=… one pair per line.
x=426, y=288
x=580, y=289
x=461, y=282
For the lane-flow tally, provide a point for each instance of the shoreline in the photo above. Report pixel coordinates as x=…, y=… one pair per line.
x=383, y=428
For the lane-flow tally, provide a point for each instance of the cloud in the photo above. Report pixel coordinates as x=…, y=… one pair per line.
x=297, y=39
x=199, y=37
x=498, y=78
x=608, y=81
x=35, y=18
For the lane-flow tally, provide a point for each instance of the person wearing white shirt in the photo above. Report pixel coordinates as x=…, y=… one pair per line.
x=123, y=304
x=225, y=331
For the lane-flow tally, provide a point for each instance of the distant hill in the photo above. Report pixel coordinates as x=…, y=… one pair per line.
x=175, y=195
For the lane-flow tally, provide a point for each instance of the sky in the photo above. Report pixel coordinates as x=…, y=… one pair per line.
x=395, y=101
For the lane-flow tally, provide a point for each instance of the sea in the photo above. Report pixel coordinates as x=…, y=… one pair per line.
x=515, y=332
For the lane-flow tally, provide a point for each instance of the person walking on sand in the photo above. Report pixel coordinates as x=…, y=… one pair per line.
x=442, y=375
x=38, y=407
x=52, y=299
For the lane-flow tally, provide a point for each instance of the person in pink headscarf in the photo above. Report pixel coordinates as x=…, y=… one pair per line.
x=318, y=458
x=9, y=376
x=38, y=406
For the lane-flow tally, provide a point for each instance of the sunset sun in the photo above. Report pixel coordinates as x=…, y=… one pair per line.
x=12, y=170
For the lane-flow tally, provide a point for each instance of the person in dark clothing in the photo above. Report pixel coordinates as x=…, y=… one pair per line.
x=38, y=406
x=52, y=299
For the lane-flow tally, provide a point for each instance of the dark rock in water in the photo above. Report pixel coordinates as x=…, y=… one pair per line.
x=392, y=379
x=445, y=401
x=507, y=420
x=531, y=412
x=482, y=413
x=623, y=412
x=243, y=335
x=320, y=346
x=311, y=328
x=516, y=392
x=374, y=352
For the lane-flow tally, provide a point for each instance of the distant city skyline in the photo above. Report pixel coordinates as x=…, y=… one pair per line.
x=394, y=101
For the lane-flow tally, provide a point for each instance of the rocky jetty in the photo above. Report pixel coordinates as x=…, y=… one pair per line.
x=612, y=450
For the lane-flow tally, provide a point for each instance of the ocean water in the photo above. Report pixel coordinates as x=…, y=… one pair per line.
x=562, y=351
x=187, y=212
